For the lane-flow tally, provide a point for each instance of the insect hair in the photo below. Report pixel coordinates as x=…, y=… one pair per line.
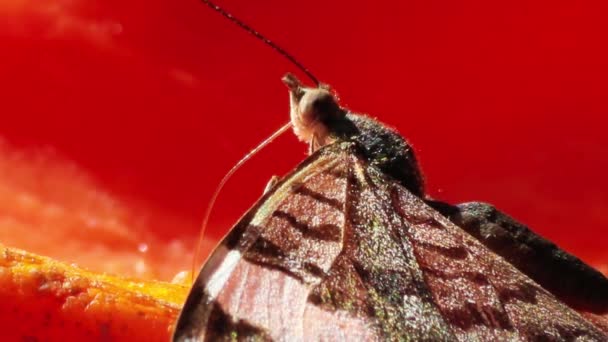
x=263, y=38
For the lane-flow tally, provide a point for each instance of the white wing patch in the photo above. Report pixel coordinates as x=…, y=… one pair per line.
x=220, y=274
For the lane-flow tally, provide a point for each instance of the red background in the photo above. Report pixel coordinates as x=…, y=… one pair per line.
x=504, y=101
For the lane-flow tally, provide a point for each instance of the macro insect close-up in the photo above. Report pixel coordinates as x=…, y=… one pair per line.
x=121, y=119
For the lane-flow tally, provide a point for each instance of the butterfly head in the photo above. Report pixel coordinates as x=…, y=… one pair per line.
x=312, y=111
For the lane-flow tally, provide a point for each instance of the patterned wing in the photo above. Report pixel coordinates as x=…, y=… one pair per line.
x=394, y=237
x=564, y=275
x=338, y=251
x=296, y=267
x=483, y=296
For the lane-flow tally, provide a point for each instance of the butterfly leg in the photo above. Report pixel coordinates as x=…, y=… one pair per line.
x=564, y=275
x=271, y=183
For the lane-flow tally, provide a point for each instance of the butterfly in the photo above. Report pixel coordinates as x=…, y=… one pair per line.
x=348, y=247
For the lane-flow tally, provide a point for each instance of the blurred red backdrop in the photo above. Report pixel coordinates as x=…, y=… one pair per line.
x=505, y=102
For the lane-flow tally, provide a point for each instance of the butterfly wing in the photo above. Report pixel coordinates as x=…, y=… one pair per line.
x=568, y=278
x=291, y=269
x=481, y=294
x=338, y=251
x=564, y=275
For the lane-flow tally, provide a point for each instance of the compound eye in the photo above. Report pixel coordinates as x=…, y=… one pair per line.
x=323, y=104
x=326, y=108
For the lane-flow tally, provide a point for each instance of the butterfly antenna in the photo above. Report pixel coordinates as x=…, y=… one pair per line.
x=261, y=37
x=221, y=185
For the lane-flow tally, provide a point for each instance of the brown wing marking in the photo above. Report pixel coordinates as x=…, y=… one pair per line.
x=481, y=295
x=568, y=278
x=324, y=232
x=376, y=275
x=304, y=232
x=227, y=329
x=259, y=279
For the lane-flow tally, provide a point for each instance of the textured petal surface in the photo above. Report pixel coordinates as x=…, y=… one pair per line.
x=48, y=300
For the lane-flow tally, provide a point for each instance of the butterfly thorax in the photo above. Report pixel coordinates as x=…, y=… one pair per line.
x=382, y=147
x=319, y=120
